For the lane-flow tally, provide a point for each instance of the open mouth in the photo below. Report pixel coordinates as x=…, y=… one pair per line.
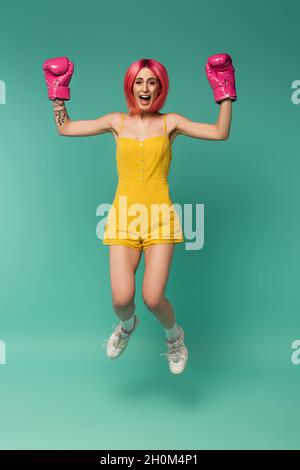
x=145, y=99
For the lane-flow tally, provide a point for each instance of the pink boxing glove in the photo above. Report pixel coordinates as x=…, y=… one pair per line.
x=220, y=74
x=58, y=73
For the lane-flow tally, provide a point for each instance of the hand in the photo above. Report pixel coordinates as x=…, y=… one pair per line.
x=220, y=74
x=58, y=73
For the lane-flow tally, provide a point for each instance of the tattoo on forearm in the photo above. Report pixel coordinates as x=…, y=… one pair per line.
x=60, y=112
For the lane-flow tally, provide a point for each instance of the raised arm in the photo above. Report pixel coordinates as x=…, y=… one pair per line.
x=58, y=73
x=199, y=130
x=220, y=75
x=65, y=126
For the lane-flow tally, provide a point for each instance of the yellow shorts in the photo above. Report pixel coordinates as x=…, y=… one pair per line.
x=140, y=244
x=153, y=221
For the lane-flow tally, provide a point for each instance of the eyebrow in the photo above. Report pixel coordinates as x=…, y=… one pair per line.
x=151, y=78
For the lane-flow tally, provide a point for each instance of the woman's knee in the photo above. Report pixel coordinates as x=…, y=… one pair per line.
x=123, y=300
x=123, y=294
x=153, y=301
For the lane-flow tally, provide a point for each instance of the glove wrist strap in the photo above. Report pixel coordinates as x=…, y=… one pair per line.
x=59, y=91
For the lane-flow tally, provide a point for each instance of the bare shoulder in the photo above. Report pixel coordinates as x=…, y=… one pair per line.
x=115, y=119
x=171, y=117
x=172, y=120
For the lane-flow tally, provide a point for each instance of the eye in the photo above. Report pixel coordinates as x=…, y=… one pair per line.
x=152, y=83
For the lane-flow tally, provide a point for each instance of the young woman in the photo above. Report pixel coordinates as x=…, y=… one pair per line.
x=144, y=138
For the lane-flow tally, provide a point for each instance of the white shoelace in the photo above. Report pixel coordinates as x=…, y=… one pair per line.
x=175, y=354
x=119, y=337
x=175, y=351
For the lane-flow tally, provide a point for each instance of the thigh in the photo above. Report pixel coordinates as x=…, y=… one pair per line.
x=123, y=262
x=158, y=258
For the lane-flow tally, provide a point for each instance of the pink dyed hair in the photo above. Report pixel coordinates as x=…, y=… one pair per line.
x=159, y=70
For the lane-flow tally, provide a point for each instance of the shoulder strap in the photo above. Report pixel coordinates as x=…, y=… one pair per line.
x=165, y=123
x=122, y=122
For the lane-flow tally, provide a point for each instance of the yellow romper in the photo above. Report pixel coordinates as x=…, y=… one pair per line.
x=142, y=212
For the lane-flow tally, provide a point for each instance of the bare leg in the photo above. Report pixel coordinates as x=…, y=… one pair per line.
x=123, y=265
x=157, y=266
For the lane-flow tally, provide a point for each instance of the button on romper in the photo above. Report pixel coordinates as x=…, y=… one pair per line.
x=142, y=213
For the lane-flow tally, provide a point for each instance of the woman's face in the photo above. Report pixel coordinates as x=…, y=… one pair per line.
x=146, y=83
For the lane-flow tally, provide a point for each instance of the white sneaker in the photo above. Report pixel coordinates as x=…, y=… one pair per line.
x=116, y=344
x=177, y=354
